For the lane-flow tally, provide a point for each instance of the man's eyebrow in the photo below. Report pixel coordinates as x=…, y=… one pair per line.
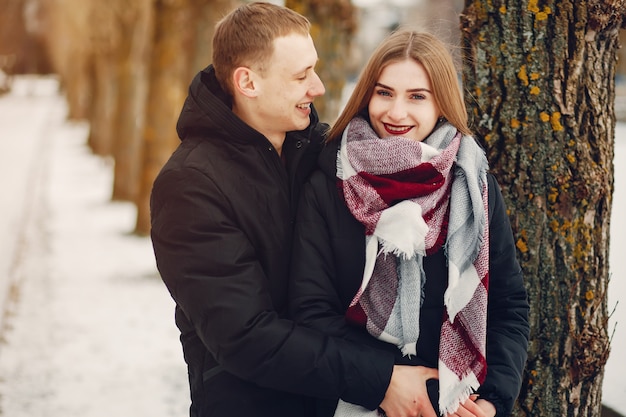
x=303, y=70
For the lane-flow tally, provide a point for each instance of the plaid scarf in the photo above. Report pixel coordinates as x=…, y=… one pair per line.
x=413, y=197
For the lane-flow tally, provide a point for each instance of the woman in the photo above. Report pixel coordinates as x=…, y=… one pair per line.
x=403, y=235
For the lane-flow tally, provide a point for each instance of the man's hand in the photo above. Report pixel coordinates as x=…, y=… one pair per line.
x=406, y=395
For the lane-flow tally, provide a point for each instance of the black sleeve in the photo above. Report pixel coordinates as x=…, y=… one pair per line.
x=211, y=270
x=314, y=300
x=313, y=296
x=507, y=317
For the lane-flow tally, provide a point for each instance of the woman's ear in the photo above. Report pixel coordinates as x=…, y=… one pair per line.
x=244, y=81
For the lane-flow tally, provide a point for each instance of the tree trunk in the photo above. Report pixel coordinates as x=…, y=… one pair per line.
x=106, y=39
x=208, y=14
x=136, y=24
x=174, y=31
x=332, y=24
x=540, y=86
x=70, y=52
x=105, y=91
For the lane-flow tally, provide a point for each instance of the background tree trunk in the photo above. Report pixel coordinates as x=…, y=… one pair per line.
x=209, y=13
x=68, y=43
x=172, y=53
x=135, y=24
x=104, y=91
x=332, y=24
x=22, y=34
x=540, y=81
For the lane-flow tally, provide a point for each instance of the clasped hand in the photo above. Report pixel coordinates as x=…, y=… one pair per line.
x=407, y=396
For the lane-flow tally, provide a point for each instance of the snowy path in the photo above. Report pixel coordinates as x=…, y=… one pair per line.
x=90, y=332
x=91, y=329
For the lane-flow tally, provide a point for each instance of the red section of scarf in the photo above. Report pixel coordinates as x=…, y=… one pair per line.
x=411, y=183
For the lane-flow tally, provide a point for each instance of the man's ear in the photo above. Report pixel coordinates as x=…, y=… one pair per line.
x=244, y=81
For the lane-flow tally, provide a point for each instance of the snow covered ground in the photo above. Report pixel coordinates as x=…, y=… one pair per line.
x=90, y=324
x=89, y=328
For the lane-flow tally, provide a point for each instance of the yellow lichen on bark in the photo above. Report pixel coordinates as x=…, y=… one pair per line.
x=554, y=193
x=539, y=14
x=532, y=6
x=522, y=75
x=542, y=16
x=554, y=225
x=522, y=246
x=555, y=119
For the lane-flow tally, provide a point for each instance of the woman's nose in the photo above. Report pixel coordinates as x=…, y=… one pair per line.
x=397, y=111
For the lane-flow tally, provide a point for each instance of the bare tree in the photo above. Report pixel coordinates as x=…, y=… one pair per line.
x=135, y=24
x=69, y=46
x=209, y=13
x=176, y=45
x=540, y=83
x=105, y=43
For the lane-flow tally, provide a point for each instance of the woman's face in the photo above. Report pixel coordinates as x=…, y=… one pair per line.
x=402, y=103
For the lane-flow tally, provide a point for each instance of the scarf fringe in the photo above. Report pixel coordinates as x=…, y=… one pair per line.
x=452, y=395
x=409, y=349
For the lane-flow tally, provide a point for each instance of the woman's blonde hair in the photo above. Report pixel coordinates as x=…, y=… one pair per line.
x=424, y=49
x=245, y=37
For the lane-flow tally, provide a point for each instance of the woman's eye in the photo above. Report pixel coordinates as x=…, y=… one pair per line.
x=383, y=93
x=417, y=97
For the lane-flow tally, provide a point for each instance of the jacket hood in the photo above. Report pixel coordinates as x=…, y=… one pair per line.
x=208, y=110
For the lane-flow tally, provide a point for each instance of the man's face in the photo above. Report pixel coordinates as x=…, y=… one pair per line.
x=287, y=87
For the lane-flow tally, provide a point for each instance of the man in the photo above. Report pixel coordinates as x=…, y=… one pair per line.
x=222, y=212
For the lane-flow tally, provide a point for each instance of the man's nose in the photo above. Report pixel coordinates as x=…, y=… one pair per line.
x=317, y=87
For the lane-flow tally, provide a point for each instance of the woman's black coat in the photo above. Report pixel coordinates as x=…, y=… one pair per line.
x=327, y=270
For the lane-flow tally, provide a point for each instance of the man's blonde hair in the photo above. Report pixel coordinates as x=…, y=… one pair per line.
x=245, y=37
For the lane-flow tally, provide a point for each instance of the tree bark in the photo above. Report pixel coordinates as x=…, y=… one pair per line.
x=71, y=53
x=174, y=32
x=136, y=26
x=105, y=43
x=540, y=83
x=105, y=91
x=208, y=14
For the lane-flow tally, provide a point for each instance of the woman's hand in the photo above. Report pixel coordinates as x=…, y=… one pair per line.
x=474, y=407
x=406, y=395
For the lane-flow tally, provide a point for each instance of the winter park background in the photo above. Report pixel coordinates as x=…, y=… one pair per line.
x=88, y=327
